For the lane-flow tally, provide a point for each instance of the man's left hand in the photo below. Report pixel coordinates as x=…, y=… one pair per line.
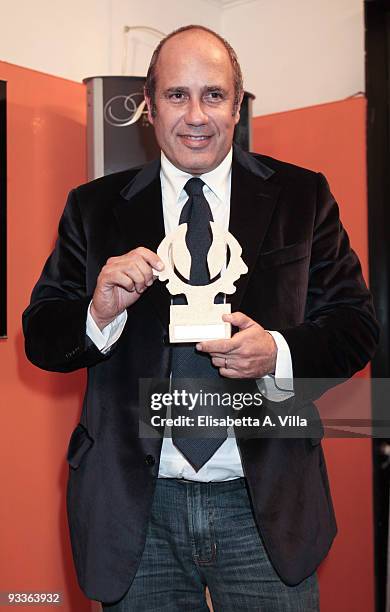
x=250, y=353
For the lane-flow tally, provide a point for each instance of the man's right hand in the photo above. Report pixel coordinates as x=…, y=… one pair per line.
x=121, y=283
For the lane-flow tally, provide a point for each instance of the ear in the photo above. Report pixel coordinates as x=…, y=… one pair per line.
x=149, y=107
x=237, y=115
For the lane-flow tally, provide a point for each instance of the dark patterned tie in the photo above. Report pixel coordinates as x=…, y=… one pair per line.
x=187, y=363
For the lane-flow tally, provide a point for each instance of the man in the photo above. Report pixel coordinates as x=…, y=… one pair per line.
x=150, y=526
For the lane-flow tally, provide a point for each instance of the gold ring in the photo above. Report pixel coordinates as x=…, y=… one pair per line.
x=226, y=364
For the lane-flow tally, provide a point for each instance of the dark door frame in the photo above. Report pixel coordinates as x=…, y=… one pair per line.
x=377, y=20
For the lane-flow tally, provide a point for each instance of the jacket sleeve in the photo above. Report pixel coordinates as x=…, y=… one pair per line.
x=340, y=333
x=54, y=324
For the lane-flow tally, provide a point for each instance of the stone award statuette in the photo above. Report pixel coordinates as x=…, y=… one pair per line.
x=200, y=318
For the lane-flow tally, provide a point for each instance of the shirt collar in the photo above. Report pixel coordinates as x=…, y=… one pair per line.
x=217, y=180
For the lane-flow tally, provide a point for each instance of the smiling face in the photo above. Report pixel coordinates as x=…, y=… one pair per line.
x=194, y=101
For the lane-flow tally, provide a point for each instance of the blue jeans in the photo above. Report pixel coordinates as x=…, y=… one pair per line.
x=204, y=534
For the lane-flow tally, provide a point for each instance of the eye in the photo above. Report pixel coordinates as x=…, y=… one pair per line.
x=177, y=96
x=214, y=96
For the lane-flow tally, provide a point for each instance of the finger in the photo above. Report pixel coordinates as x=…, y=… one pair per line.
x=139, y=278
x=229, y=354
x=217, y=346
x=230, y=373
x=146, y=270
x=223, y=362
x=135, y=267
x=238, y=319
x=151, y=258
x=121, y=279
x=134, y=273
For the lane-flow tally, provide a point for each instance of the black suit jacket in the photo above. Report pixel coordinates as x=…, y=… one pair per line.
x=303, y=280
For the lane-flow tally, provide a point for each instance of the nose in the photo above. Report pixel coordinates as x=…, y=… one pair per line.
x=194, y=113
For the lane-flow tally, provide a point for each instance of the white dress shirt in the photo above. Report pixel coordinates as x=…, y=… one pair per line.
x=225, y=464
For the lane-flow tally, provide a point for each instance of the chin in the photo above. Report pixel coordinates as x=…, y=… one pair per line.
x=196, y=165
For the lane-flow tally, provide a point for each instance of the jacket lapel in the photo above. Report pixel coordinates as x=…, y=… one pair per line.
x=141, y=223
x=253, y=199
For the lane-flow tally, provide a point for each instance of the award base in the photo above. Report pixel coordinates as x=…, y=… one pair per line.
x=208, y=326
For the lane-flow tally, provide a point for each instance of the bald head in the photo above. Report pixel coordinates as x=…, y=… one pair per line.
x=196, y=35
x=193, y=98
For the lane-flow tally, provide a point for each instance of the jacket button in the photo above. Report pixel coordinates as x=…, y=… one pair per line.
x=150, y=460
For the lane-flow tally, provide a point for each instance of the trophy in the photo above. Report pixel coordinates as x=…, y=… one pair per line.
x=200, y=319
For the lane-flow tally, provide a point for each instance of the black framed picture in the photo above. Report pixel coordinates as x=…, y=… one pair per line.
x=3, y=210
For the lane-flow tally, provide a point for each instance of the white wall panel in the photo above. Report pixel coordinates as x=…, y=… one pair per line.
x=297, y=53
x=79, y=38
x=66, y=38
x=163, y=15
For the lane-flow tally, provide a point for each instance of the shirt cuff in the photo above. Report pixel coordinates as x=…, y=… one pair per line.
x=105, y=338
x=279, y=387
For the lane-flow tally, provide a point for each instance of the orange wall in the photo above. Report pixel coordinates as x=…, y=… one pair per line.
x=331, y=138
x=46, y=157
